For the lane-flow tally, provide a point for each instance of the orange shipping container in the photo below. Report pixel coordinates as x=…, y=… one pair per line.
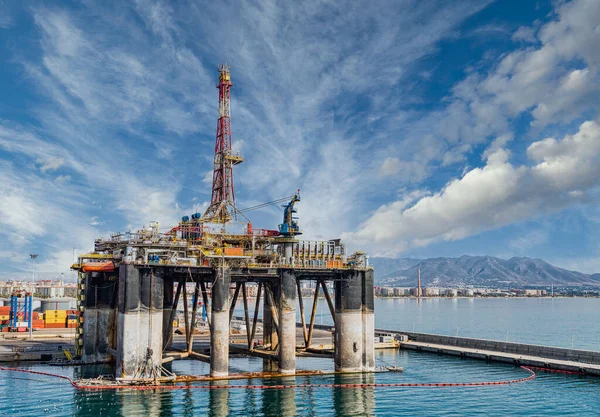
x=55, y=325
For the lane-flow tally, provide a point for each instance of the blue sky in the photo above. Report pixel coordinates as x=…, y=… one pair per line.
x=413, y=128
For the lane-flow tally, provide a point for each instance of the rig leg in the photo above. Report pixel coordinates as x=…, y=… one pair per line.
x=219, y=334
x=168, y=313
x=99, y=315
x=140, y=326
x=270, y=337
x=354, y=323
x=169, y=341
x=287, y=322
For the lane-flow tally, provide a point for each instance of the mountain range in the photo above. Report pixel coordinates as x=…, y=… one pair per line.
x=478, y=271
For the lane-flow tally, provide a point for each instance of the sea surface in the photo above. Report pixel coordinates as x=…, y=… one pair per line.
x=557, y=322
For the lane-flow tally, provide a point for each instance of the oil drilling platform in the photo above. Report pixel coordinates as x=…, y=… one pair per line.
x=131, y=284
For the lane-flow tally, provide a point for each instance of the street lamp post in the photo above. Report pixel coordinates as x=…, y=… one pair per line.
x=33, y=257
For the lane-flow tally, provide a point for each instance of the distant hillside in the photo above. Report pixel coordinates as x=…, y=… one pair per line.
x=477, y=271
x=386, y=266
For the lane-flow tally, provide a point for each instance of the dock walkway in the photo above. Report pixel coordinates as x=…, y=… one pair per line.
x=505, y=357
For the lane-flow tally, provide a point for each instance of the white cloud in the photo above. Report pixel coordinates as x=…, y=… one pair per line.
x=34, y=209
x=493, y=196
x=587, y=265
x=125, y=111
x=499, y=142
x=390, y=166
x=554, y=81
x=50, y=164
x=525, y=34
x=62, y=179
x=529, y=240
x=6, y=18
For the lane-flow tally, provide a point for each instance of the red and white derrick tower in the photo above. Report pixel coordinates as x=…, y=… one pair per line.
x=222, y=204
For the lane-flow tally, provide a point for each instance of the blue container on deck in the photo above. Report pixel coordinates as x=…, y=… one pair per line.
x=185, y=219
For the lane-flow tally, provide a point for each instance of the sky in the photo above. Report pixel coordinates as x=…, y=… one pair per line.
x=412, y=128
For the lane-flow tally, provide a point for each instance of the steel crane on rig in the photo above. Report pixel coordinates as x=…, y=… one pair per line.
x=290, y=227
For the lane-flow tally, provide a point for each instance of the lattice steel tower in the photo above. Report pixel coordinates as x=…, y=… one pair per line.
x=222, y=203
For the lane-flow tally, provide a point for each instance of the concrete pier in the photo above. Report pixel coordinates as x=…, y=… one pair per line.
x=140, y=322
x=354, y=323
x=563, y=359
x=219, y=335
x=99, y=316
x=287, y=322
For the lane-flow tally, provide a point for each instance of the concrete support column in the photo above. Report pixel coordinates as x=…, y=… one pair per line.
x=167, y=324
x=287, y=322
x=368, y=310
x=140, y=323
x=99, y=316
x=219, y=334
x=354, y=323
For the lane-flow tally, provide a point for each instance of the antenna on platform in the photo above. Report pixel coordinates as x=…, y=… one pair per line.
x=419, y=285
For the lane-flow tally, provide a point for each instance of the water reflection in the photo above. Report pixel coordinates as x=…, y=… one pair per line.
x=308, y=401
x=218, y=400
x=280, y=402
x=354, y=401
x=123, y=403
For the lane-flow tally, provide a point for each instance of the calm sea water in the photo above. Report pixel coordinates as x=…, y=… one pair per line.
x=562, y=322
x=527, y=320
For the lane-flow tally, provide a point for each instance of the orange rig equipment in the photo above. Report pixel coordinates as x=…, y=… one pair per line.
x=105, y=266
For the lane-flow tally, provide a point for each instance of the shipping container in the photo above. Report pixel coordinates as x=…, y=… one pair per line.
x=55, y=325
x=56, y=312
